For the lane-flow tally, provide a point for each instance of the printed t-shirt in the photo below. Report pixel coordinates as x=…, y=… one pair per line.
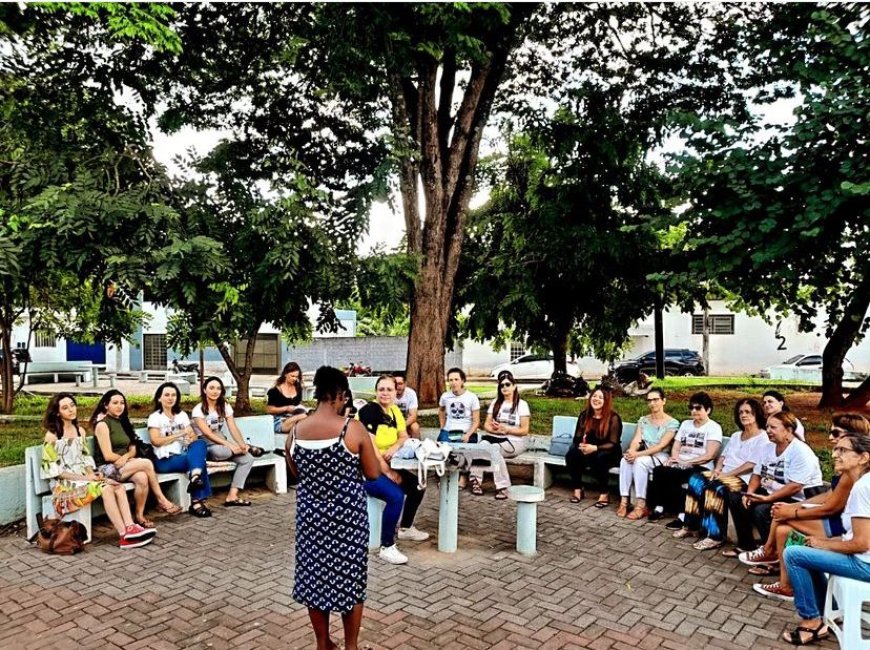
x=168, y=427
x=459, y=409
x=384, y=425
x=407, y=402
x=738, y=453
x=693, y=440
x=214, y=421
x=857, y=505
x=797, y=464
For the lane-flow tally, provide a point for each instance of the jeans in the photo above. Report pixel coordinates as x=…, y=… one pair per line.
x=455, y=436
x=395, y=495
x=244, y=463
x=192, y=459
x=807, y=568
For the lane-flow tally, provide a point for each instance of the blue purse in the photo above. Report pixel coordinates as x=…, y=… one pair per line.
x=561, y=443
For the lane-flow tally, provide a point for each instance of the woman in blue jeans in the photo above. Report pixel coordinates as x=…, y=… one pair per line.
x=176, y=447
x=848, y=557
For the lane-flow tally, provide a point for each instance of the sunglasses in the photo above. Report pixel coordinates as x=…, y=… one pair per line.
x=696, y=407
x=836, y=432
x=505, y=384
x=654, y=399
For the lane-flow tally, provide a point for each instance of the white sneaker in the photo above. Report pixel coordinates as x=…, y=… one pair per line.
x=393, y=555
x=412, y=534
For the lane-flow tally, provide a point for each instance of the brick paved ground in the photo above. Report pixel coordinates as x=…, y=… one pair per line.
x=598, y=582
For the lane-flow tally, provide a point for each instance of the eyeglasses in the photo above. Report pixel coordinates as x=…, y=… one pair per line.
x=696, y=407
x=653, y=399
x=505, y=384
x=842, y=450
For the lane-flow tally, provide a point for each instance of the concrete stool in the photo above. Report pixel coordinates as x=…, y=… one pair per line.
x=527, y=498
x=850, y=596
x=375, y=509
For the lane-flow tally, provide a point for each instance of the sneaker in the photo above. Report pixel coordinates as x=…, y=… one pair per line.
x=412, y=534
x=676, y=524
x=134, y=542
x=756, y=557
x=657, y=514
x=135, y=531
x=774, y=590
x=393, y=555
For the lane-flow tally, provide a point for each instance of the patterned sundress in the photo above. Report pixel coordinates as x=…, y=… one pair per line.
x=332, y=526
x=70, y=455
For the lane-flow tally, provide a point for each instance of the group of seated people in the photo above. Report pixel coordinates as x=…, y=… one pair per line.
x=176, y=443
x=766, y=477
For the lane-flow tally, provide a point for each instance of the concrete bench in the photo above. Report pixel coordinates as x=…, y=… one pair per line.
x=256, y=430
x=80, y=371
x=38, y=499
x=527, y=498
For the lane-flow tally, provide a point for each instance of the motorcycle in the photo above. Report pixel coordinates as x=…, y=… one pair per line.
x=184, y=366
x=358, y=370
x=561, y=384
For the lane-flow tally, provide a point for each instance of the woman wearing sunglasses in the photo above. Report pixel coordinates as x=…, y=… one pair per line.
x=819, y=516
x=847, y=556
x=507, y=430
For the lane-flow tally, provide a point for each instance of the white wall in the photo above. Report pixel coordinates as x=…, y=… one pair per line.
x=56, y=353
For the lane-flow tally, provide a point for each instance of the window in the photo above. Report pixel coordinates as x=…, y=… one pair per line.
x=154, y=351
x=718, y=323
x=267, y=354
x=44, y=340
x=517, y=350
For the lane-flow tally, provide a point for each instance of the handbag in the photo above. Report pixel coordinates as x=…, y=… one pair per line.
x=561, y=443
x=57, y=537
x=144, y=449
x=431, y=455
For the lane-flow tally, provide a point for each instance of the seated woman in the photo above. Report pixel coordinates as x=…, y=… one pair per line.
x=787, y=471
x=69, y=467
x=849, y=556
x=706, y=511
x=177, y=448
x=773, y=402
x=115, y=455
x=507, y=430
x=596, y=446
x=819, y=516
x=210, y=417
x=649, y=447
x=385, y=424
x=458, y=410
x=696, y=445
x=284, y=398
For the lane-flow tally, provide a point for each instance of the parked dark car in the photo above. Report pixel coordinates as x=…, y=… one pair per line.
x=678, y=361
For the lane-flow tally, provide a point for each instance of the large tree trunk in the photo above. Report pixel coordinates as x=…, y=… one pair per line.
x=446, y=146
x=560, y=352
x=838, y=345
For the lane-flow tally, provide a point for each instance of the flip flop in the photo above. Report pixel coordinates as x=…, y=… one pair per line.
x=236, y=502
x=601, y=504
x=574, y=499
x=764, y=570
x=145, y=523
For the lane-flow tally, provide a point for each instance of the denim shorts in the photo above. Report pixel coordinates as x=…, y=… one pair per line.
x=454, y=436
x=833, y=526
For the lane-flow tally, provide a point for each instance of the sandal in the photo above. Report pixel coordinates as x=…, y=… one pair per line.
x=501, y=495
x=195, y=482
x=575, y=499
x=601, y=503
x=476, y=488
x=764, y=570
x=732, y=552
x=199, y=509
x=706, y=544
x=236, y=502
x=145, y=523
x=639, y=512
x=622, y=510
x=170, y=508
x=794, y=637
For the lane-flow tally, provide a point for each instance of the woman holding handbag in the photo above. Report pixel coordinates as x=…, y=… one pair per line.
x=70, y=468
x=116, y=458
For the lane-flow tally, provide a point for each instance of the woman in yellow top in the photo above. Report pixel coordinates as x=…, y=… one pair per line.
x=384, y=422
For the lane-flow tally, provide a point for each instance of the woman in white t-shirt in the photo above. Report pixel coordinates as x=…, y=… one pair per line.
x=848, y=557
x=210, y=417
x=788, y=470
x=507, y=430
x=176, y=447
x=773, y=402
x=707, y=491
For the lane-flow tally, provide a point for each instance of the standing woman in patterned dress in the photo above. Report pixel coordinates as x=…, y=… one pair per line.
x=330, y=453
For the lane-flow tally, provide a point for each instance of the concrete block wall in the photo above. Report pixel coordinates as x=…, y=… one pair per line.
x=379, y=352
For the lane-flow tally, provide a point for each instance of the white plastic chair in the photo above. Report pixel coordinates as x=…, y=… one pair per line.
x=850, y=596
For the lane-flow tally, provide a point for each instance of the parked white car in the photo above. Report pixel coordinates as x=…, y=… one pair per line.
x=533, y=366
x=806, y=366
